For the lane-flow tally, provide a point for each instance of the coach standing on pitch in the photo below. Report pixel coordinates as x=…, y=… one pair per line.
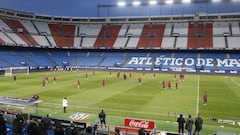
x=64, y=104
x=102, y=117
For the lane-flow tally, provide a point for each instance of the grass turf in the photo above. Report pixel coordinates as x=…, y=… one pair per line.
x=125, y=98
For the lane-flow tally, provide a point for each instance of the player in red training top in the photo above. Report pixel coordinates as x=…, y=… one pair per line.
x=169, y=85
x=205, y=98
x=54, y=79
x=35, y=96
x=110, y=73
x=43, y=83
x=139, y=80
x=176, y=85
x=78, y=83
x=46, y=78
x=103, y=82
x=163, y=85
x=181, y=76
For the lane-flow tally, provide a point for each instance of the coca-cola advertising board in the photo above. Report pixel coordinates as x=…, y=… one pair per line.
x=139, y=123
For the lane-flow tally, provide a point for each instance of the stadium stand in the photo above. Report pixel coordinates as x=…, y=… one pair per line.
x=184, y=45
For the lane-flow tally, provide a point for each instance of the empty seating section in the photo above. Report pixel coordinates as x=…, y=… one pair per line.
x=112, y=35
x=5, y=39
x=192, y=36
x=134, y=30
x=180, y=32
x=206, y=40
x=45, y=31
x=61, y=58
x=129, y=35
x=29, y=27
x=157, y=33
x=8, y=36
x=101, y=37
x=122, y=38
x=90, y=31
x=181, y=42
x=11, y=58
x=167, y=42
x=21, y=31
x=144, y=40
x=235, y=28
x=63, y=35
x=219, y=28
x=233, y=42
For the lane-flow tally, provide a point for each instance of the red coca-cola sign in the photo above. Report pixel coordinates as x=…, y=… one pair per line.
x=139, y=123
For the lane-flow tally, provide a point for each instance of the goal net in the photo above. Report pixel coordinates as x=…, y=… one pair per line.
x=16, y=71
x=19, y=105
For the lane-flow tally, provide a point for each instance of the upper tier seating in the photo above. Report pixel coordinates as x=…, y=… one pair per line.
x=131, y=35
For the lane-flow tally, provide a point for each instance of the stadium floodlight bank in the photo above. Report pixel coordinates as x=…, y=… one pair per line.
x=9, y=71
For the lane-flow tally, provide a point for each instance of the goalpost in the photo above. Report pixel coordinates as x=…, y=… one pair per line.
x=16, y=71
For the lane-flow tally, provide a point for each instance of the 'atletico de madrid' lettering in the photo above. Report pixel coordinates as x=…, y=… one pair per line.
x=210, y=62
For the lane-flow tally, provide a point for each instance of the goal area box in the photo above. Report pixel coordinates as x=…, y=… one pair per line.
x=19, y=105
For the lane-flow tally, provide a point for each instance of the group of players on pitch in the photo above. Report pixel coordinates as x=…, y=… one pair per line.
x=165, y=85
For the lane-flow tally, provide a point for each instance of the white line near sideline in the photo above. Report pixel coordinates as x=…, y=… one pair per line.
x=235, y=82
x=197, y=109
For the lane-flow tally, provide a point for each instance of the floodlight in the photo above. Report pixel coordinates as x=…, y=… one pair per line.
x=186, y=1
x=121, y=3
x=136, y=3
x=169, y=1
x=153, y=2
x=216, y=0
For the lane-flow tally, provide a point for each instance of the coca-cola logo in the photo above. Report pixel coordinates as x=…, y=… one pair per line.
x=139, y=123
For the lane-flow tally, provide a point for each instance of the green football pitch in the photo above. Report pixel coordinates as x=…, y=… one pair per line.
x=127, y=99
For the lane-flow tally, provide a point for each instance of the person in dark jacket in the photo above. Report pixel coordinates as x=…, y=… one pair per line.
x=58, y=129
x=102, y=117
x=198, y=125
x=33, y=128
x=181, y=122
x=18, y=124
x=189, y=125
x=2, y=125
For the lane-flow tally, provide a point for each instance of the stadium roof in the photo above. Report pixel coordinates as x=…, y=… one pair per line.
x=106, y=8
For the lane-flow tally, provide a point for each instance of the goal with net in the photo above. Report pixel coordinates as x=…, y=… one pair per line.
x=16, y=71
x=19, y=105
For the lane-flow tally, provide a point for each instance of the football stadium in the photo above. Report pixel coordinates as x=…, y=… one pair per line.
x=126, y=68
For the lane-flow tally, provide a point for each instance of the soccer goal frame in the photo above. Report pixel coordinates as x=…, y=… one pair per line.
x=10, y=71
